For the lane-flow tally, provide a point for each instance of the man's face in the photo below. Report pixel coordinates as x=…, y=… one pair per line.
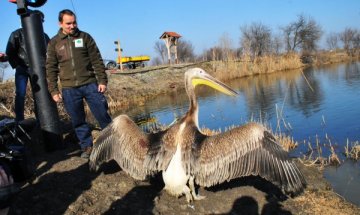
x=68, y=24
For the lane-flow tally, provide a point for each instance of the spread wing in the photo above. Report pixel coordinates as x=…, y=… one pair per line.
x=124, y=142
x=244, y=151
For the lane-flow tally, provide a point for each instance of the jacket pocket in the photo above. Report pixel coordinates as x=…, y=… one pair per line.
x=62, y=52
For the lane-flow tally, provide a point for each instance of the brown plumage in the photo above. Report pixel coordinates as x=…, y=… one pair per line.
x=186, y=156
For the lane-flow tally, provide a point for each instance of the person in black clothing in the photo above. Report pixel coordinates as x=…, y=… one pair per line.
x=18, y=59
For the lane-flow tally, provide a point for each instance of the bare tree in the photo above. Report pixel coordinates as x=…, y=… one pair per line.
x=332, y=41
x=256, y=39
x=214, y=54
x=277, y=44
x=349, y=38
x=357, y=41
x=185, y=51
x=156, y=61
x=302, y=34
x=225, y=46
x=310, y=35
x=160, y=48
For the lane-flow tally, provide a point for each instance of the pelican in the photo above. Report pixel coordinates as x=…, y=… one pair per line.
x=186, y=156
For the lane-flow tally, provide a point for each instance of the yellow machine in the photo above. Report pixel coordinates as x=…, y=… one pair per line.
x=127, y=62
x=124, y=61
x=134, y=59
x=133, y=62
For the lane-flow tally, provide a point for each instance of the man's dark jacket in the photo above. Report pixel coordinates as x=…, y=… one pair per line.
x=15, y=49
x=75, y=59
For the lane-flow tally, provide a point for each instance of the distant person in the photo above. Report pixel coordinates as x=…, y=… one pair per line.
x=18, y=59
x=74, y=58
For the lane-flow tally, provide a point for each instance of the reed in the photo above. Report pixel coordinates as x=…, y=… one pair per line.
x=288, y=143
x=333, y=158
x=314, y=156
x=333, y=57
x=352, y=151
x=246, y=66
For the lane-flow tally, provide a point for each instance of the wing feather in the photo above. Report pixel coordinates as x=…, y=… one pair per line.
x=124, y=142
x=244, y=151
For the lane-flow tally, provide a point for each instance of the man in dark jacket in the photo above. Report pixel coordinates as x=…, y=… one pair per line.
x=73, y=56
x=18, y=59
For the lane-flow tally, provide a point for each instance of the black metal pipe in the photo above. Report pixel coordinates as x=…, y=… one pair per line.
x=45, y=108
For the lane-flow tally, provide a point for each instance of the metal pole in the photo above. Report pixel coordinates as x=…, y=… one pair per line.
x=119, y=55
x=45, y=108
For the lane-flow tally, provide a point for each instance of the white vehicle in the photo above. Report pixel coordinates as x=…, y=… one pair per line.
x=127, y=62
x=110, y=64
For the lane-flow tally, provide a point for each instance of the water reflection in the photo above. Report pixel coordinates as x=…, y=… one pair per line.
x=306, y=94
x=352, y=76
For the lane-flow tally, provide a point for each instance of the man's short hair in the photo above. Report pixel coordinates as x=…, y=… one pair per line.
x=67, y=12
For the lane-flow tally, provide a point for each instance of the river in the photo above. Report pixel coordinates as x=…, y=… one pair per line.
x=316, y=106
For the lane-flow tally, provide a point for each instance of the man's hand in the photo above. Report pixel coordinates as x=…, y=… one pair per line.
x=102, y=88
x=57, y=98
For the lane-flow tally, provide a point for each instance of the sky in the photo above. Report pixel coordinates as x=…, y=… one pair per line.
x=138, y=24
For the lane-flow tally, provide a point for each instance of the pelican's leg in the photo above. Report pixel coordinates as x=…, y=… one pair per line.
x=188, y=196
x=192, y=188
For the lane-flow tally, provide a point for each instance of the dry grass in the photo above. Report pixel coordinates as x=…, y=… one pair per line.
x=334, y=158
x=226, y=70
x=323, y=202
x=286, y=142
x=332, y=57
x=7, y=100
x=315, y=157
x=353, y=151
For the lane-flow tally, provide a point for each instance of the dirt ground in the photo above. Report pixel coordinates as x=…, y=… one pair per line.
x=63, y=184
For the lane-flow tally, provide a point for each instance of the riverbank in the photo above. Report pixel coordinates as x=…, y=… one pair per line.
x=134, y=87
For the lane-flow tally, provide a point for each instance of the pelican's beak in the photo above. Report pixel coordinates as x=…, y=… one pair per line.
x=210, y=81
